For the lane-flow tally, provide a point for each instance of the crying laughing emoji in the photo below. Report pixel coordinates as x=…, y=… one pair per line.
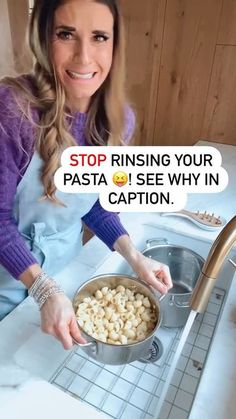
x=120, y=178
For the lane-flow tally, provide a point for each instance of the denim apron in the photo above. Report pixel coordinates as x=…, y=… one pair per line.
x=52, y=232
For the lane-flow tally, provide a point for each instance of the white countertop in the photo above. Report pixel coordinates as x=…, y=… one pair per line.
x=26, y=353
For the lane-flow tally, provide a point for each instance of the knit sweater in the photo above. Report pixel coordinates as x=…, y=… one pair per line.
x=17, y=140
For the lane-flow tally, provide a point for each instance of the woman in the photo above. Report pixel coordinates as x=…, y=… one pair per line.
x=74, y=96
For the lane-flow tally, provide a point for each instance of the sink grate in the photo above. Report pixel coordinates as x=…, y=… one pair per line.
x=133, y=390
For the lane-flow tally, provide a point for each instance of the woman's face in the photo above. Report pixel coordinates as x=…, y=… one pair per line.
x=82, y=48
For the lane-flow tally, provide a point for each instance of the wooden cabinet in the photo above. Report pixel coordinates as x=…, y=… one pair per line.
x=180, y=78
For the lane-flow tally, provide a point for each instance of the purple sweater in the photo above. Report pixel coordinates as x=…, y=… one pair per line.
x=17, y=140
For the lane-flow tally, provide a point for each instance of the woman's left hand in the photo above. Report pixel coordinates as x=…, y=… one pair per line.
x=149, y=270
x=154, y=273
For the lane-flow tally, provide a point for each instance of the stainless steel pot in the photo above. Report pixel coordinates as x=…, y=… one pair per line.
x=185, y=267
x=110, y=353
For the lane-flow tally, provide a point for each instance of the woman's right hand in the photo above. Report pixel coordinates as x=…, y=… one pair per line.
x=58, y=319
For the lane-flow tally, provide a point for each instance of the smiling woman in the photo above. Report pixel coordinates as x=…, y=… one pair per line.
x=75, y=95
x=82, y=52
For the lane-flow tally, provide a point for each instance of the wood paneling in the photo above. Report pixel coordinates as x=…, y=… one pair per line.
x=181, y=79
x=141, y=18
x=18, y=17
x=190, y=34
x=220, y=121
x=6, y=55
x=147, y=133
x=227, y=32
x=13, y=22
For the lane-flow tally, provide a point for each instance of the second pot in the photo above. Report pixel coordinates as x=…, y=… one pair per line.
x=185, y=267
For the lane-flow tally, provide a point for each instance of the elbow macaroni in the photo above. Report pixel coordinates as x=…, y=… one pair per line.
x=117, y=316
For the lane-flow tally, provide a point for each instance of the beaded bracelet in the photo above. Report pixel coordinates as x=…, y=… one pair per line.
x=52, y=291
x=37, y=282
x=42, y=288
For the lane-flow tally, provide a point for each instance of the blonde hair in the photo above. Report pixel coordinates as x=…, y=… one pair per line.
x=105, y=117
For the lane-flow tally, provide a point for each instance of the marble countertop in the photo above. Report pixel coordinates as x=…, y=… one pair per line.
x=27, y=356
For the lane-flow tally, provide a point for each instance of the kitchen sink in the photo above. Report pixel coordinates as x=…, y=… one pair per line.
x=133, y=390
x=115, y=263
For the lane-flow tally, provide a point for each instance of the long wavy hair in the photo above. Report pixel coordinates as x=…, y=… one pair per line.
x=105, y=117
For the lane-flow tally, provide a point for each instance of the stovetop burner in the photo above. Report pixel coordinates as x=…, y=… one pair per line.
x=154, y=352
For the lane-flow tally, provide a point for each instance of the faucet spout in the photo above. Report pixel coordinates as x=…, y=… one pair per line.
x=218, y=252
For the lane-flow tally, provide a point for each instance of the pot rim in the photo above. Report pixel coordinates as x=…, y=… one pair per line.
x=192, y=252
x=177, y=246
x=183, y=294
x=97, y=277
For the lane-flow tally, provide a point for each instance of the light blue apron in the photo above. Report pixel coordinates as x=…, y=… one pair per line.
x=53, y=233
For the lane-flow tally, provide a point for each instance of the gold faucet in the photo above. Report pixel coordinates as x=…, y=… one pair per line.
x=218, y=252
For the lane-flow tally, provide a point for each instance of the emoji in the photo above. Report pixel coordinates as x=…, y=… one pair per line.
x=120, y=178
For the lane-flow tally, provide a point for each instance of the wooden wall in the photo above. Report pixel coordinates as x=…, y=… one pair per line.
x=6, y=53
x=181, y=60
x=219, y=120
x=181, y=57
x=13, y=23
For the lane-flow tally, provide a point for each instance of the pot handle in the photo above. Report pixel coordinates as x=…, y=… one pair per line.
x=161, y=297
x=92, y=344
x=179, y=304
x=151, y=242
x=158, y=296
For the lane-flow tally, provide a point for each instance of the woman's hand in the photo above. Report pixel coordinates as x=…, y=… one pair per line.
x=153, y=272
x=58, y=319
x=149, y=270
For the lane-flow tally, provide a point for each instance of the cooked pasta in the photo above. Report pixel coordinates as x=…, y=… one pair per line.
x=117, y=316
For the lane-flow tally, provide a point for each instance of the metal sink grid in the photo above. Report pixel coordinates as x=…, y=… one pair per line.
x=132, y=390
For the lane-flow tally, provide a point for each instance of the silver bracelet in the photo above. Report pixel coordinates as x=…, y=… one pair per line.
x=37, y=282
x=42, y=288
x=52, y=291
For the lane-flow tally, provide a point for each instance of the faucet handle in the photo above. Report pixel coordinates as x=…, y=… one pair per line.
x=232, y=263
